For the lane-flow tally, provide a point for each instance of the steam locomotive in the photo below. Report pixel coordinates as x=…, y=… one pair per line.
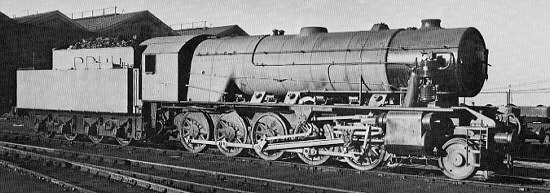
x=361, y=97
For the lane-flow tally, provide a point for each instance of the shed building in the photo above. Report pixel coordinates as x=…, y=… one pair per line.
x=142, y=24
x=53, y=19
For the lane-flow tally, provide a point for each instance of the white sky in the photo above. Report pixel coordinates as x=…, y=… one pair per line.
x=516, y=32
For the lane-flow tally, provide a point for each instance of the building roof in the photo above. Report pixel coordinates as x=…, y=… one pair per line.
x=221, y=31
x=111, y=21
x=45, y=19
x=99, y=23
x=4, y=17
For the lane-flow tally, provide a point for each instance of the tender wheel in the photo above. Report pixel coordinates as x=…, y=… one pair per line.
x=230, y=128
x=93, y=134
x=68, y=131
x=309, y=156
x=124, y=141
x=70, y=136
x=42, y=130
x=122, y=134
x=455, y=164
x=193, y=125
x=268, y=125
x=95, y=138
x=46, y=134
x=366, y=160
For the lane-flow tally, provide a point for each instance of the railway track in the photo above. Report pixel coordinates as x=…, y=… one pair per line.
x=147, y=181
x=50, y=179
x=428, y=176
x=129, y=177
x=62, y=173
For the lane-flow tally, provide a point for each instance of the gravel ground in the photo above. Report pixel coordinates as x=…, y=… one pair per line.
x=18, y=183
x=13, y=181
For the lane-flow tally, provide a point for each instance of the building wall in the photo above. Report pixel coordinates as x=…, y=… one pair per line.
x=28, y=46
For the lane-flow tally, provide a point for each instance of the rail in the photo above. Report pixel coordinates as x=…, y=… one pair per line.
x=13, y=147
x=531, y=181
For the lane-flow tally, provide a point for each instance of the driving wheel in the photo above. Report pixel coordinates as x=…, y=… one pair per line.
x=193, y=126
x=230, y=128
x=268, y=125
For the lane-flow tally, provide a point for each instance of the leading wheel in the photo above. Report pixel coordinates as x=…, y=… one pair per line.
x=366, y=159
x=455, y=163
x=230, y=128
x=310, y=155
x=193, y=126
x=268, y=125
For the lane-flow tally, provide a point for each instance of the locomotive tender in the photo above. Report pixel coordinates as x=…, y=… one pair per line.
x=361, y=97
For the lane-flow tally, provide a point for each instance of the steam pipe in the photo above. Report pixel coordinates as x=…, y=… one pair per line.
x=412, y=93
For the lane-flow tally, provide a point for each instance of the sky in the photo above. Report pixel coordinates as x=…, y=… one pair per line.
x=515, y=32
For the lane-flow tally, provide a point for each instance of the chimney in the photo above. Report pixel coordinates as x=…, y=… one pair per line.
x=379, y=27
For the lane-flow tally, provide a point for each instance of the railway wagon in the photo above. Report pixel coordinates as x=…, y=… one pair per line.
x=361, y=97
x=533, y=143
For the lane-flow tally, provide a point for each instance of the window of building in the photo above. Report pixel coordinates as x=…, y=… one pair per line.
x=150, y=64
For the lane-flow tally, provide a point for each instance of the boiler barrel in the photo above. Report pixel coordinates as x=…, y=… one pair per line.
x=317, y=60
